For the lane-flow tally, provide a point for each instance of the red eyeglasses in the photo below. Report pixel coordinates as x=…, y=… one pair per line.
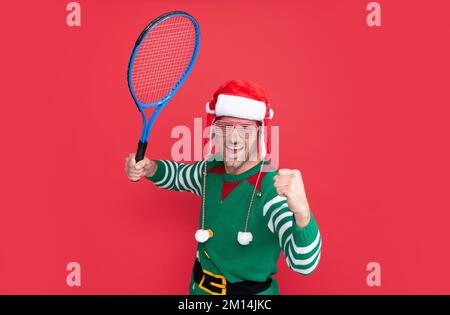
x=225, y=128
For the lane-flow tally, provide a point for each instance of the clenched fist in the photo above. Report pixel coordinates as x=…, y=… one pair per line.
x=289, y=184
x=135, y=170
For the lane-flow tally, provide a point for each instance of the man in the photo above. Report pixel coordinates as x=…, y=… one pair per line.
x=249, y=211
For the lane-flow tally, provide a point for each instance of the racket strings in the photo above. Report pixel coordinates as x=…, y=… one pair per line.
x=162, y=58
x=163, y=80
x=150, y=83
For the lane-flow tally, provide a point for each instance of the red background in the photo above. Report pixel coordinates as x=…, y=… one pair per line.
x=363, y=113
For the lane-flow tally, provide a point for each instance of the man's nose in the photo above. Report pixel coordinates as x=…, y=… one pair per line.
x=234, y=135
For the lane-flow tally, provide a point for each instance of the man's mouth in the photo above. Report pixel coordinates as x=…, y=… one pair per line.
x=235, y=147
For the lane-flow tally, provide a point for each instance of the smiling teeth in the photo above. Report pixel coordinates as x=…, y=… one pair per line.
x=234, y=148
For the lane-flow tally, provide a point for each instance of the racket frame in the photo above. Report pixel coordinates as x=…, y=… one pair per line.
x=160, y=104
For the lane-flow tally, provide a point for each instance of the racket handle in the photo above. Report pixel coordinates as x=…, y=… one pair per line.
x=142, y=146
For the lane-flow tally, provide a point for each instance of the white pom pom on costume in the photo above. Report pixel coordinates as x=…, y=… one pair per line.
x=244, y=238
x=202, y=236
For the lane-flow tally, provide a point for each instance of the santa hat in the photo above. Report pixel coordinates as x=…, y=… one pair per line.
x=242, y=99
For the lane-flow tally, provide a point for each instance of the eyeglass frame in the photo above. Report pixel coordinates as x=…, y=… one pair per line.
x=234, y=125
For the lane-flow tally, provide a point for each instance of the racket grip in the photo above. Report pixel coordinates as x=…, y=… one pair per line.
x=142, y=146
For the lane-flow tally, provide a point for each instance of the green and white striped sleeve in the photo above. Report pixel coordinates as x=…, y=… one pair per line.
x=301, y=246
x=178, y=176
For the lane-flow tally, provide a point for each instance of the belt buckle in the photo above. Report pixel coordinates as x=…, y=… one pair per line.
x=222, y=285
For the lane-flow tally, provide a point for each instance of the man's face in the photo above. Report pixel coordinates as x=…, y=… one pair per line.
x=237, y=140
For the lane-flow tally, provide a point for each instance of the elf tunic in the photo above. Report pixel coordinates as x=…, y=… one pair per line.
x=227, y=199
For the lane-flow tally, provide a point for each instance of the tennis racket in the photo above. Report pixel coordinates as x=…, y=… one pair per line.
x=162, y=58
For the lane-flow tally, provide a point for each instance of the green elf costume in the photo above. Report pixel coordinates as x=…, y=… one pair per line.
x=244, y=223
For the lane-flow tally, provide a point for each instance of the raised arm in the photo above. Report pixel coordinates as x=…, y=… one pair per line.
x=167, y=174
x=287, y=214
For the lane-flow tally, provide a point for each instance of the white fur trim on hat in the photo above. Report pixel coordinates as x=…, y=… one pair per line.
x=240, y=107
x=209, y=110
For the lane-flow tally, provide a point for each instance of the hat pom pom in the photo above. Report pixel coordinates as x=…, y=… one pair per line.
x=201, y=235
x=244, y=238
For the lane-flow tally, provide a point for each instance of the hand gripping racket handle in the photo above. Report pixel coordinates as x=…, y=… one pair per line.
x=142, y=146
